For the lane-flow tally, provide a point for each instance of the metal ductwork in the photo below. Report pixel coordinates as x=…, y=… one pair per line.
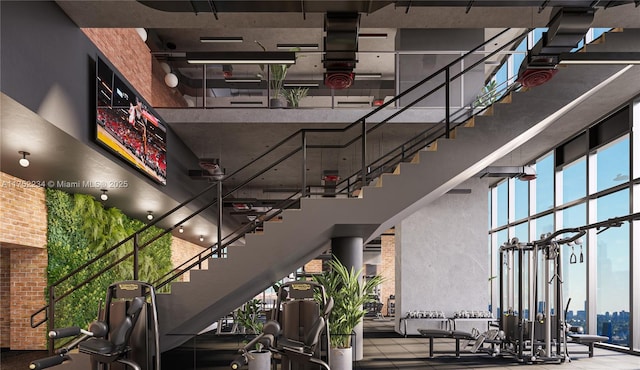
x=525, y=173
x=566, y=28
x=340, y=47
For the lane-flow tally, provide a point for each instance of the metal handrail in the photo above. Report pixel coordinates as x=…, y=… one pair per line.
x=239, y=233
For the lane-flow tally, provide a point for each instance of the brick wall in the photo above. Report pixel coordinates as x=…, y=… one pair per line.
x=5, y=298
x=182, y=250
x=28, y=284
x=130, y=55
x=23, y=262
x=313, y=266
x=388, y=269
x=23, y=217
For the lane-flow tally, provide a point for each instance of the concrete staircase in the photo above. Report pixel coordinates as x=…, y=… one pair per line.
x=304, y=233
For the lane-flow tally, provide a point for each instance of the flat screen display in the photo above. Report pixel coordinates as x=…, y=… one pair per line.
x=127, y=125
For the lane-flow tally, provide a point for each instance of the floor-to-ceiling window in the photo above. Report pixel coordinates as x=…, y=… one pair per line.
x=589, y=178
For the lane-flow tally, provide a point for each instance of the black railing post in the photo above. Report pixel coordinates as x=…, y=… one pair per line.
x=447, y=102
x=51, y=319
x=135, y=256
x=304, y=163
x=364, y=154
x=219, y=218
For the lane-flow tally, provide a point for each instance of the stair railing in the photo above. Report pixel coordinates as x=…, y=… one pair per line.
x=301, y=136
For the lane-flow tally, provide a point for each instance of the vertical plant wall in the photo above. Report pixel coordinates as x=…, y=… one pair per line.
x=80, y=228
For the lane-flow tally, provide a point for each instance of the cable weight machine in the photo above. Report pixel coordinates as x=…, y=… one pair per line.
x=543, y=336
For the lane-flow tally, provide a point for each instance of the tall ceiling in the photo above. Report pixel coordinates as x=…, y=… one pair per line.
x=274, y=22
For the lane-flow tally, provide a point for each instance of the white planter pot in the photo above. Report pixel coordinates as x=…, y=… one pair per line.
x=341, y=359
x=259, y=360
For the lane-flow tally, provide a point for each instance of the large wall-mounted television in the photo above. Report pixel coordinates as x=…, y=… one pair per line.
x=128, y=126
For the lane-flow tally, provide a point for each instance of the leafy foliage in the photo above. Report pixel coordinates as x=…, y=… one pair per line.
x=78, y=229
x=294, y=96
x=249, y=316
x=349, y=297
x=488, y=96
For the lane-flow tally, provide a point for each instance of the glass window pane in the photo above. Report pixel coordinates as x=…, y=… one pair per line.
x=503, y=203
x=544, y=183
x=521, y=199
x=613, y=270
x=544, y=225
x=597, y=32
x=574, y=181
x=574, y=268
x=518, y=58
x=501, y=76
x=489, y=209
x=613, y=164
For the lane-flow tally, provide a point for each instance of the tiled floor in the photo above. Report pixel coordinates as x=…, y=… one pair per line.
x=383, y=349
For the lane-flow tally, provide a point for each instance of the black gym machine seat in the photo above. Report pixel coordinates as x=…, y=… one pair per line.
x=114, y=349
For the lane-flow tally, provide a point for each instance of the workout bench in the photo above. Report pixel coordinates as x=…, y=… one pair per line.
x=446, y=334
x=586, y=339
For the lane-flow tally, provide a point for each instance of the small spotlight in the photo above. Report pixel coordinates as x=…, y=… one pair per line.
x=149, y=215
x=104, y=195
x=24, y=162
x=201, y=238
x=181, y=229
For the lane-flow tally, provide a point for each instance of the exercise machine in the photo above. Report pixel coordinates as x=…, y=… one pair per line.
x=125, y=333
x=298, y=331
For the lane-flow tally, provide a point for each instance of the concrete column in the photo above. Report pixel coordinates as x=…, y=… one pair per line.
x=348, y=250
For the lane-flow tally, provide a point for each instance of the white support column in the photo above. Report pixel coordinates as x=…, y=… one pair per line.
x=592, y=252
x=634, y=260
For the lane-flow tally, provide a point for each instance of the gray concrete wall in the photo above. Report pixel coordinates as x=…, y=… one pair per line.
x=441, y=256
x=415, y=67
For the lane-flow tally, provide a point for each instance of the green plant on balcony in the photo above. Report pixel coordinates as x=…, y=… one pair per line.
x=294, y=96
x=488, y=96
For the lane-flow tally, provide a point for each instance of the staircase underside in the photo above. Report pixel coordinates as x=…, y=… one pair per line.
x=305, y=233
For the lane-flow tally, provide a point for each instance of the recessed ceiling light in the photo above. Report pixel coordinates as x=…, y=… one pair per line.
x=297, y=46
x=372, y=35
x=359, y=76
x=241, y=57
x=242, y=80
x=221, y=39
x=301, y=84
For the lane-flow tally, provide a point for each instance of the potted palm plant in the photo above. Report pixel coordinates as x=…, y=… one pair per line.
x=349, y=295
x=248, y=316
x=277, y=74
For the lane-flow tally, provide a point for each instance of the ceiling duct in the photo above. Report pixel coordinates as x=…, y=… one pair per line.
x=525, y=173
x=340, y=46
x=566, y=29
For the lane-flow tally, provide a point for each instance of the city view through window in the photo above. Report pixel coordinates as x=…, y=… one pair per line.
x=596, y=186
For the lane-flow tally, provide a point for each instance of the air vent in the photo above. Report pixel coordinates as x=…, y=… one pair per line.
x=536, y=77
x=340, y=46
x=338, y=80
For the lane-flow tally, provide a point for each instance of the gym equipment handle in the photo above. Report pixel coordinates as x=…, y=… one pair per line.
x=64, y=332
x=238, y=362
x=47, y=362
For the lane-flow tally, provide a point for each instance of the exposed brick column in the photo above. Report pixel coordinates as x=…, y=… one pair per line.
x=388, y=269
x=23, y=237
x=28, y=284
x=5, y=297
